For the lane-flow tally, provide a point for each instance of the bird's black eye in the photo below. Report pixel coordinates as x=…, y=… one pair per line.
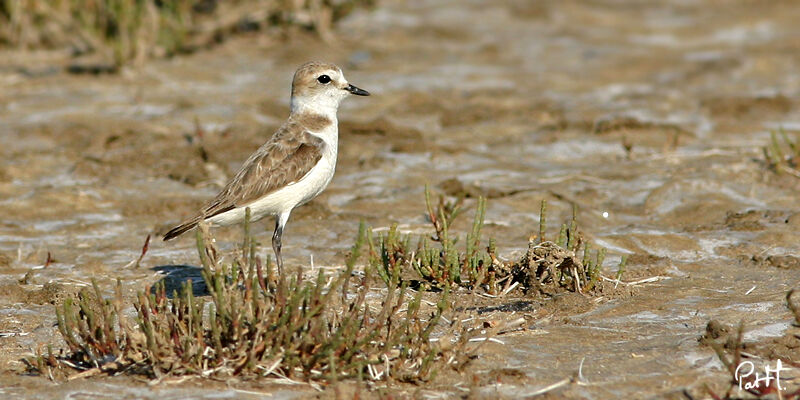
x=323, y=79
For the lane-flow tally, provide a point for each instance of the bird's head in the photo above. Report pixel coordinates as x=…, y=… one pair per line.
x=319, y=86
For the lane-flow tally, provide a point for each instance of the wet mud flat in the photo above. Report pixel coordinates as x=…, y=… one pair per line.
x=651, y=119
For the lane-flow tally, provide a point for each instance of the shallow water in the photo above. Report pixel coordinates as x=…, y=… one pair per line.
x=528, y=102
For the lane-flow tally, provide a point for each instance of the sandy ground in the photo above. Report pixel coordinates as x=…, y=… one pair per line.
x=653, y=114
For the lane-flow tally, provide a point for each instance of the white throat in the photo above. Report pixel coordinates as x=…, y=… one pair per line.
x=322, y=105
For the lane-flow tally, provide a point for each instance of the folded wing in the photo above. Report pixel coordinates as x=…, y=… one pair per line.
x=286, y=158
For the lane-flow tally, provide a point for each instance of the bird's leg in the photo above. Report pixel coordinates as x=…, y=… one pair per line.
x=276, y=245
x=280, y=223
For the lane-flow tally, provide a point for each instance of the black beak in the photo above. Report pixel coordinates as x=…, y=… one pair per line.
x=356, y=91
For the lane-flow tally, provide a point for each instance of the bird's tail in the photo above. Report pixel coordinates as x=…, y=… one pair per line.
x=180, y=229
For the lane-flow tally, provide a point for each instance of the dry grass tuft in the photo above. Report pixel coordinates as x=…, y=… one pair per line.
x=568, y=263
x=783, y=156
x=256, y=324
x=732, y=351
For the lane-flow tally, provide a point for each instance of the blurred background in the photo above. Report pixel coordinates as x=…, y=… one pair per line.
x=671, y=125
x=114, y=33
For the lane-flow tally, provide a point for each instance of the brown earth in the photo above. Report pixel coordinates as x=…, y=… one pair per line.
x=652, y=113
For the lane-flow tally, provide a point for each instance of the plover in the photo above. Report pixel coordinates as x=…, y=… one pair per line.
x=294, y=166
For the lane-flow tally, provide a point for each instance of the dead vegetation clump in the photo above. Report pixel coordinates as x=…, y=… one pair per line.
x=548, y=267
x=254, y=323
x=124, y=31
x=757, y=383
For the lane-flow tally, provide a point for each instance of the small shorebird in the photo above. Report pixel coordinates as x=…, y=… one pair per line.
x=294, y=166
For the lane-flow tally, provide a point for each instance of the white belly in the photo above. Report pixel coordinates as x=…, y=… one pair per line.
x=283, y=200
